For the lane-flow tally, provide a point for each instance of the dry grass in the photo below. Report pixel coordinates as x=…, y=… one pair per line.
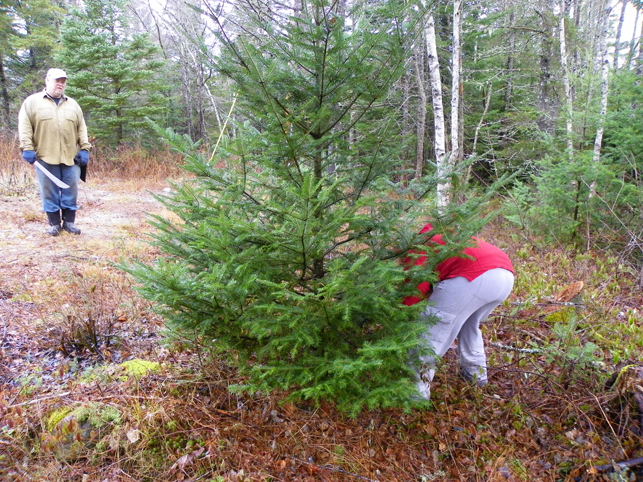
x=140, y=167
x=15, y=176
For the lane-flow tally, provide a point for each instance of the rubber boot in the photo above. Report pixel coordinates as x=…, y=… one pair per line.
x=69, y=216
x=54, y=223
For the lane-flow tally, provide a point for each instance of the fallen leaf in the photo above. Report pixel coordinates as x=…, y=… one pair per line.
x=133, y=435
x=186, y=459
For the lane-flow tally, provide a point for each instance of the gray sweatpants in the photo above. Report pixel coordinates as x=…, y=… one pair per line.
x=461, y=305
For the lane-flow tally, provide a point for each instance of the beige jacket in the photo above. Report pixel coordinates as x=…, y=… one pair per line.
x=55, y=132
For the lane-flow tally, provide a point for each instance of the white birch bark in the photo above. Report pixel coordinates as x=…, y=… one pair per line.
x=456, y=69
x=566, y=83
x=633, y=42
x=619, y=30
x=421, y=114
x=444, y=176
x=604, y=84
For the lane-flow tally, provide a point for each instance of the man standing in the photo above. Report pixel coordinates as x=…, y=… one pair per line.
x=53, y=133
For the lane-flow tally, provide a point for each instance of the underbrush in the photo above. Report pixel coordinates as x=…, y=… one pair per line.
x=549, y=412
x=561, y=403
x=141, y=166
x=136, y=164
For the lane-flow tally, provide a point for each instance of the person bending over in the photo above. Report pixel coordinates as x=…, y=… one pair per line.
x=469, y=287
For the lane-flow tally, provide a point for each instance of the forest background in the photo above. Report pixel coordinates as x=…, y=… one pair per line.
x=546, y=93
x=549, y=90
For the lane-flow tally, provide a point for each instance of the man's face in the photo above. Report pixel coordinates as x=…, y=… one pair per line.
x=55, y=87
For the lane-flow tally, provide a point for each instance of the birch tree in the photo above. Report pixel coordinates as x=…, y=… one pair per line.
x=604, y=67
x=637, y=4
x=439, y=144
x=567, y=90
x=619, y=31
x=456, y=86
x=418, y=67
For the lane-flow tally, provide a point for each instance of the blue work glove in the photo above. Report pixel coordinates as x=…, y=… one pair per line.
x=29, y=156
x=82, y=158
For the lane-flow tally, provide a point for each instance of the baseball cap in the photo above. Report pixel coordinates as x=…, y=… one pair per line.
x=56, y=74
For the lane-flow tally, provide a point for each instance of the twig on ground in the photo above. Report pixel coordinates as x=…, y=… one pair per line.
x=608, y=468
x=625, y=464
x=37, y=400
x=513, y=348
x=548, y=303
x=4, y=329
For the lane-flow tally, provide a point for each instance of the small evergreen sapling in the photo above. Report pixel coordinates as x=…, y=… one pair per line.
x=288, y=256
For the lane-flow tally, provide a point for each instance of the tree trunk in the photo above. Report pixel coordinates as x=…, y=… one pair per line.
x=4, y=92
x=619, y=31
x=407, y=123
x=297, y=7
x=422, y=109
x=456, y=87
x=566, y=83
x=604, y=82
x=510, y=62
x=547, y=99
x=341, y=8
x=444, y=175
x=633, y=43
x=474, y=148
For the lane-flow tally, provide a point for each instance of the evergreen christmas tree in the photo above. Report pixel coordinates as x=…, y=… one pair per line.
x=115, y=74
x=286, y=255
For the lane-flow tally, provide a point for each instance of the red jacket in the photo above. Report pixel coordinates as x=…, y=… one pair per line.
x=484, y=257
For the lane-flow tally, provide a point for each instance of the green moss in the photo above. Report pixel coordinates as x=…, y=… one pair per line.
x=73, y=431
x=97, y=414
x=138, y=368
x=56, y=416
x=561, y=316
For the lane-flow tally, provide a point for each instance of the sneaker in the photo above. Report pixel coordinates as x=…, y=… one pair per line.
x=479, y=378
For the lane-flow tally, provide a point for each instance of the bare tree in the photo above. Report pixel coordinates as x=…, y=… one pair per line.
x=4, y=95
x=638, y=4
x=511, y=55
x=177, y=28
x=547, y=96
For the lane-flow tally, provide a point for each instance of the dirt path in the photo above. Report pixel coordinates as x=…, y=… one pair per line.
x=47, y=283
